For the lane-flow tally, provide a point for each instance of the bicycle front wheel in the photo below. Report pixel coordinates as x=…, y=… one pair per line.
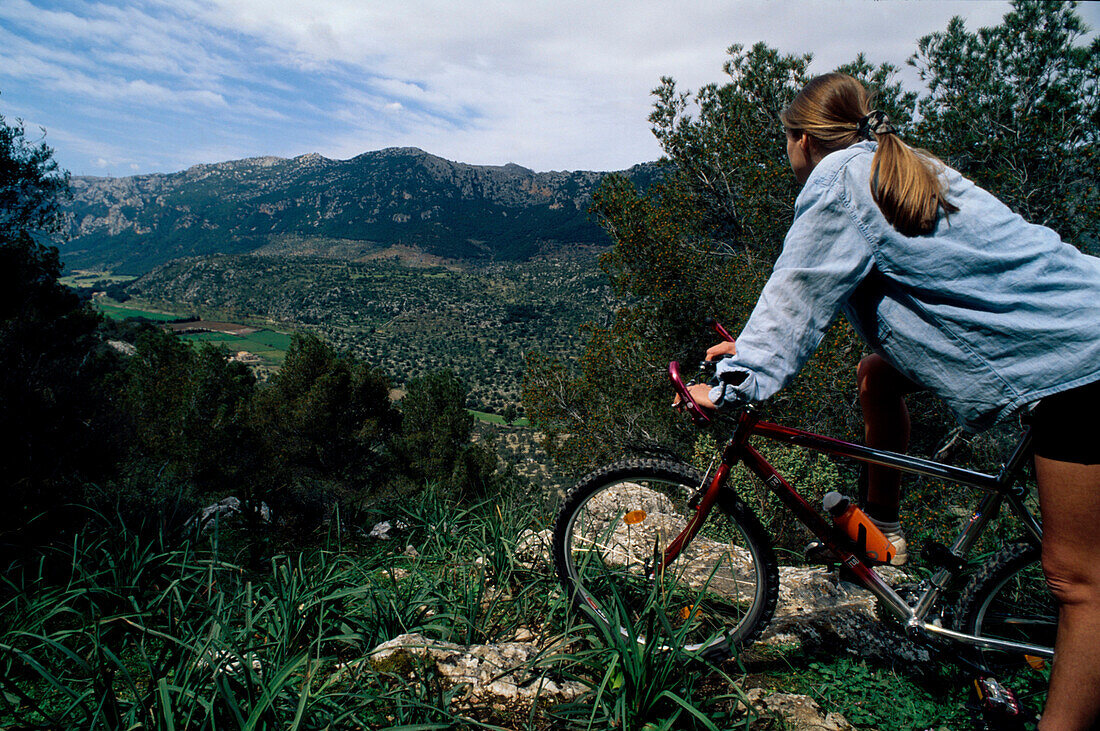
x=610, y=538
x=1008, y=600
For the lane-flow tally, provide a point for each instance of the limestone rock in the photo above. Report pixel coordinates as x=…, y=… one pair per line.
x=533, y=549
x=798, y=712
x=815, y=608
x=497, y=675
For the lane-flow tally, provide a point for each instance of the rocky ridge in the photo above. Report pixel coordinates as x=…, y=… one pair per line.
x=349, y=208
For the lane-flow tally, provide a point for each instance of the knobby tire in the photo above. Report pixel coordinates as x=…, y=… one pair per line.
x=611, y=531
x=1008, y=599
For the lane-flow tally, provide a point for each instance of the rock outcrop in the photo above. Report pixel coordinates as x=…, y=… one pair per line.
x=815, y=609
x=344, y=209
x=499, y=676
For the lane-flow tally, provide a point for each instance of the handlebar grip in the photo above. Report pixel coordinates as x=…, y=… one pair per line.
x=699, y=416
x=717, y=327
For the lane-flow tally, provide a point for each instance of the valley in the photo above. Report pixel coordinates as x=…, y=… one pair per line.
x=479, y=320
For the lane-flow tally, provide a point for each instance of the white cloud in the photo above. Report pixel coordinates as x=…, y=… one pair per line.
x=564, y=84
x=547, y=85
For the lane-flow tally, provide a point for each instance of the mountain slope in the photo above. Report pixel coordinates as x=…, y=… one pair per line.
x=341, y=208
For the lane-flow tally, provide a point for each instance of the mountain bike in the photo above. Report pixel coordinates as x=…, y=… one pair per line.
x=648, y=527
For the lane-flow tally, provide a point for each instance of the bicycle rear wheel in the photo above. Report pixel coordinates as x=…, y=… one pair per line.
x=612, y=531
x=1007, y=599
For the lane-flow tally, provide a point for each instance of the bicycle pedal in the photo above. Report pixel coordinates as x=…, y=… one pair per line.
x=997, y=707
x=940, y=555
x=817, y=552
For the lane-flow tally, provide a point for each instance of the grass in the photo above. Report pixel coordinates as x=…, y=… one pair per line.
x=121, y=312
x=269, y=345
x=634, y=685
x=86, y=278
x=146, y=633
x=497, y=419
x=130, y=628
x=875, y=696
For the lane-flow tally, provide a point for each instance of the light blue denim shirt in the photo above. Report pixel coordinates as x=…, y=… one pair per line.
x=988, y=311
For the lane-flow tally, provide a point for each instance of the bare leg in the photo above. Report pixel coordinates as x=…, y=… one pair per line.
x=1069, y=496
x=885, y=426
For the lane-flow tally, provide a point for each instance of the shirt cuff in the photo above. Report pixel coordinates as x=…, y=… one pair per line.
x=725, y=394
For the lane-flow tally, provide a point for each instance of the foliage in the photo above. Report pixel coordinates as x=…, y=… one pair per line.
x=188, y=414
x=323, y=422
x=1016, y=107
x=729, y=158
x=31, y=184
x=124, y=628
x=637, y=685
x=434, y=441
x=811, y=473
x=407, y=320
x=870, y=696
x=699, y=243
x=51, y=363
x=158, y=632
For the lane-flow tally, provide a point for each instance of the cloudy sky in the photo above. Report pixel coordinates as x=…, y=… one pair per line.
x=138, y=86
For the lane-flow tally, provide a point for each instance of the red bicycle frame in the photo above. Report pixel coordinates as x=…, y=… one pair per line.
x=998, y=487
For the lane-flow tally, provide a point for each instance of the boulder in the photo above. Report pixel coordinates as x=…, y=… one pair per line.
x=500, y=676
x=817, y=609
x=798, y=712
x=223, y=508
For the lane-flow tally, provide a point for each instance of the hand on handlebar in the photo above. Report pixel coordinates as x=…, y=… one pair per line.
x=697, y=395
x=726, y=347
x=700, y=393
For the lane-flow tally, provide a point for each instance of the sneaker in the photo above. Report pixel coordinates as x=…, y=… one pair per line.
x=896, y=536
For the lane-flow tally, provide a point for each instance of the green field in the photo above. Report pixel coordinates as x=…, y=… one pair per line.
x=271, y=346
x=496, y=418
x=86, y=278
x=121, y=312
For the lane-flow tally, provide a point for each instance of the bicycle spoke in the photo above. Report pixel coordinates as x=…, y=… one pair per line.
x=617, y=536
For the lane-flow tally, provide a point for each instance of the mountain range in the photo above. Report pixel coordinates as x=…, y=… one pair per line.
x=397, y=199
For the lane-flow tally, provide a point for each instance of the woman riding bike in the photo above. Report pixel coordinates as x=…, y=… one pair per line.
x=956, y=294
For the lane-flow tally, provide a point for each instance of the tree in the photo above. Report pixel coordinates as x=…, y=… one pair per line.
x=699, y=243
x=1016, y=107
x=434, y=440
x=324, y=422
x=188, y=416
x=31, y=184
x=52, y=364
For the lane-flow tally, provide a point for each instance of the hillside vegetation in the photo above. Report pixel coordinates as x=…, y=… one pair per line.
x=477, y=320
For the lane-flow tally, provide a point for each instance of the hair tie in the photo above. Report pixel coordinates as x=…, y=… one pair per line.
x=876, y=123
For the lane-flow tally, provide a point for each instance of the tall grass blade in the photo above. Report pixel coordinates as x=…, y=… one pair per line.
x=166, y=705
x=273, y=690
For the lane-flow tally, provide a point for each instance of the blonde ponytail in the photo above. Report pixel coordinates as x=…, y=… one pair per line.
x=834, y=110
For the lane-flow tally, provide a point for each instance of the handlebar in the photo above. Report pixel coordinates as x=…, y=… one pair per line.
x=717, y=327
x=699, y=416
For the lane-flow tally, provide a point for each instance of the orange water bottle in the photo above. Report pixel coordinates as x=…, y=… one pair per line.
x=853, y=521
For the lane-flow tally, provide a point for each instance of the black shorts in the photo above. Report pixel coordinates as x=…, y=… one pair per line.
x=1065, y=425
